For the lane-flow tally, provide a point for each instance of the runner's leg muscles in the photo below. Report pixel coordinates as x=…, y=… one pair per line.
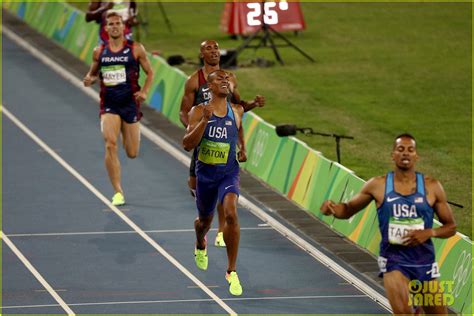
x=396, y=288
x=131, y=139
x=433, y=308
x=202, y=226
x=221, y=217
x=110, y=127
x=231, y=229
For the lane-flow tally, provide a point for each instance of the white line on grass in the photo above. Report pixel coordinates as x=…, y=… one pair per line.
x=36, y=274
x=130, y=223
x=183, y=158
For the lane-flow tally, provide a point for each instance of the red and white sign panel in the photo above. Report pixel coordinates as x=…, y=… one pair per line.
x=241, y=17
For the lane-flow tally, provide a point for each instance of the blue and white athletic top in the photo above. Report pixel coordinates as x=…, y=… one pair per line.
x=399, y=214
x=217, y=150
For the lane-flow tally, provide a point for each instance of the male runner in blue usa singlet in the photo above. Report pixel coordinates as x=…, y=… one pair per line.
x=406, y=202
x=213, y=128
x=117, y=65
x=197, y=92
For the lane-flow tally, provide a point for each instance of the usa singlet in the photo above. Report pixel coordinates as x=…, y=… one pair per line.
x=119, y=72
x=399, y=214
x=217, y=149
x=217, y=168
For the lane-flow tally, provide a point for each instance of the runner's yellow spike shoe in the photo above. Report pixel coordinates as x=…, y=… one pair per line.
x=234, y=283
x=200, y=256
x=219, y=240
x=118, y=199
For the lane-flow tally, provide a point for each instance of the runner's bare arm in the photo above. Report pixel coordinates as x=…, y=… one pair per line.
x=91, y=76
x=140, y=53
x=259, y=100
x=95, y=10
x=132, y=20
x=198, y=117
x=242, y=154
x=354, y=205
x=187, y=102
x=443, y=210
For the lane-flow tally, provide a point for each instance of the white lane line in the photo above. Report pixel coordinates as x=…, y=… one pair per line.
x=317, y=254
x=126, y=232
x=183, y=158
x=130, y=223
x=36, y=274
x=122, y=209
x=275, y=298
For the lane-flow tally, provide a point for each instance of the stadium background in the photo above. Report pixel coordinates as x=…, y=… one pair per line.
x=396, y=77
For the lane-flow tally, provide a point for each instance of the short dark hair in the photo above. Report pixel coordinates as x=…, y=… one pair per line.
x=112, y=13
x=204, y=43
x=404, y=135
x=214, y=73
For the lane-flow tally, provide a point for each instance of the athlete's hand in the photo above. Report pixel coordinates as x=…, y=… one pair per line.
x=140, y=96
x=327, y=208
x=242, y=155
x=207, y=111
x=89, y=80
x=259, y=101
x=417, y=237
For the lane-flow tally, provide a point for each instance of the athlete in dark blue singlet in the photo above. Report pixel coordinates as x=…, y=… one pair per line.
x=213, y=129
x=406, y=202
x=119, y=72
x=117, y=66
x=197, y=92
x=398, y=215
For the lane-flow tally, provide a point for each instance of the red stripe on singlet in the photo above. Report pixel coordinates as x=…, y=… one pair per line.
x=202, y=78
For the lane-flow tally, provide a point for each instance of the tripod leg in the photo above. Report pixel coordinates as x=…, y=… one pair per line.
x=239, y=49
x=291, y=44
x=275, y=50
x=163, y=12
x=263, y=39
x=338, y=150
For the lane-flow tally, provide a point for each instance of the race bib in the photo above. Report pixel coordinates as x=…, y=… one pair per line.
x=114, y=75
x=435, y=273
x=382, y=262
x=213, y=153
x=398, y=228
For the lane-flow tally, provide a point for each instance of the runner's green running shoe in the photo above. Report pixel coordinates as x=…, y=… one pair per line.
x=234, y=283
x=219, y=240
x=200, y=256
x=118, y=199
